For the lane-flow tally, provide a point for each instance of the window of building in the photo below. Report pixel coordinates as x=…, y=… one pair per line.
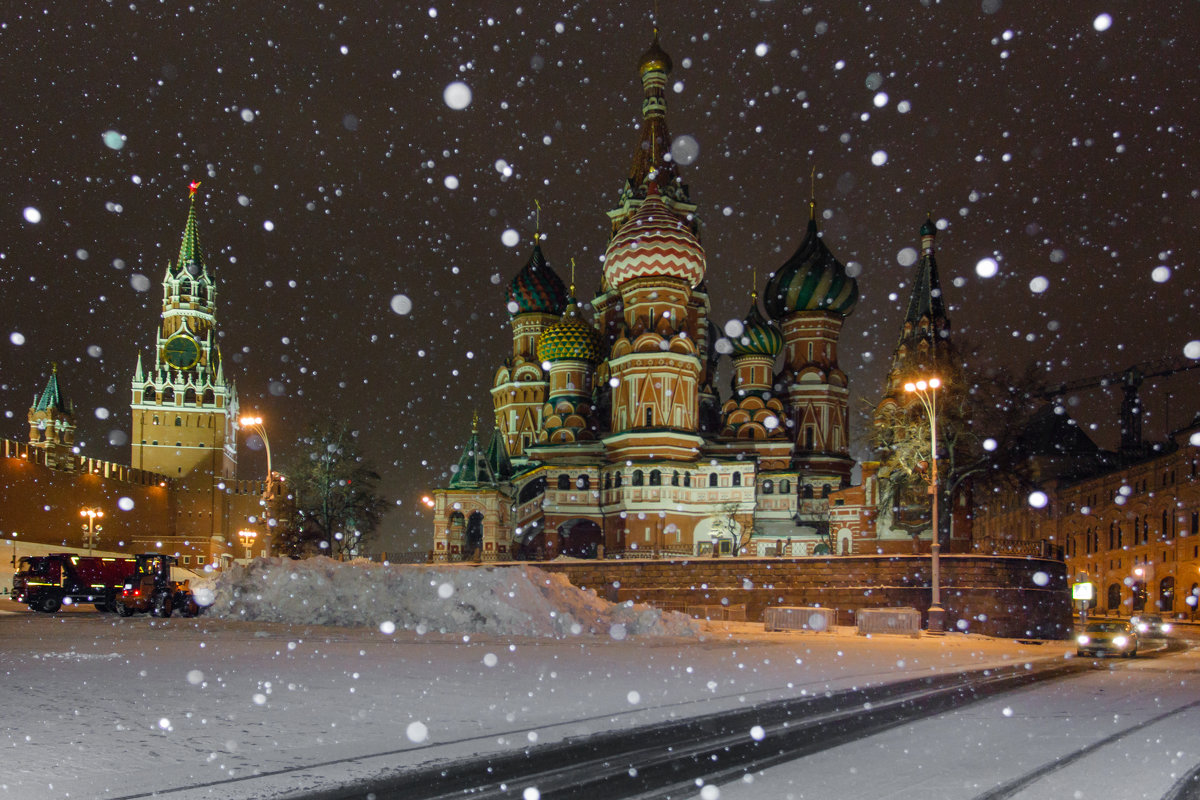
x=179, y=422
x=617, y=481
x=655, y=478
x=649, y=417
x=675, y=478
x=638, y=477
x=584, y=482
x=687, y=479
x=768, y=487
x=712, y=479
x=608, y=481
x=564, y=481
x=785, y=486
x=737, y=479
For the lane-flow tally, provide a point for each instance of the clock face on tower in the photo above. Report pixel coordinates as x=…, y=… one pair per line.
x=181, y=351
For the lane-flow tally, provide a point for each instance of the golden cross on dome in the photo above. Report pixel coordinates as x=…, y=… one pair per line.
x=475, y=422
x=537, y=221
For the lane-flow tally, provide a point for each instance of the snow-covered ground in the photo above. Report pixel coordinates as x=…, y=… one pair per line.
x=94, y=705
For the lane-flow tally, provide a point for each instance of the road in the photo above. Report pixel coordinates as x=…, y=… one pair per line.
x=1122, y=729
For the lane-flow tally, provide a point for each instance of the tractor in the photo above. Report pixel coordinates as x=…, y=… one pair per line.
x=152, y=589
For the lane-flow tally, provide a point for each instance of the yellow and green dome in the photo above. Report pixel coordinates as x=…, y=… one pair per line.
x=571, y=338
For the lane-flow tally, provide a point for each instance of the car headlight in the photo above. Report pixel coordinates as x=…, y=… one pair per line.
x=1166, y=628
x=1082, y=639
x=1142, y=627
x=1120, y=641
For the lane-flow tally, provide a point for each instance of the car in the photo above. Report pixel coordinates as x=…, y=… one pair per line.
x=1151, y=625
x=1115, y=637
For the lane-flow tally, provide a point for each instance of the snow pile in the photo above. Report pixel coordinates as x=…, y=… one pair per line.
x=513, y=601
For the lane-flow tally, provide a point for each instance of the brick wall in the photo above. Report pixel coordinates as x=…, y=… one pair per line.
x=1010, y=597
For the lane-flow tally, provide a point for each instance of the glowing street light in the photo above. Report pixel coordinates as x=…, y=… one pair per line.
x=926, y=392
x=428, y=501
x=248, y=535
x=256, y=424
x=90, y=515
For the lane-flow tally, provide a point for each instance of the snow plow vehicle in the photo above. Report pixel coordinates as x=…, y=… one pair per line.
x=45, y=583
x=152, y=588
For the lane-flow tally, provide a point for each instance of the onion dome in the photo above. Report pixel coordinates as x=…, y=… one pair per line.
x=536, y=289
x=571, y=338
x=760, y=337
x=654, y=242
x=929, y=229
x=655, y=59
x=811, y=280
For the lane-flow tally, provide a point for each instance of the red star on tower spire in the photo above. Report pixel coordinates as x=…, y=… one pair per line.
x=192, y=187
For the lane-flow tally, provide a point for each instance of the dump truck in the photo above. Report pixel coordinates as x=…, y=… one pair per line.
x=152, y=587
x=46, y=582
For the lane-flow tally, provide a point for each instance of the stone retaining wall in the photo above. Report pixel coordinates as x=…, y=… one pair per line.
x=1003, y=596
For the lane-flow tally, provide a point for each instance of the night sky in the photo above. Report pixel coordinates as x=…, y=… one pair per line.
x=1057, y=139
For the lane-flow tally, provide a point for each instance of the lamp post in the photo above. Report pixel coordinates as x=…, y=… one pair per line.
x=247, y=535
x=90, y=515
x=926, y=392
x=256, y=424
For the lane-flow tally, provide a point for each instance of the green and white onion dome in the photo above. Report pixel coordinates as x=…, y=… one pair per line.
x=811, y=280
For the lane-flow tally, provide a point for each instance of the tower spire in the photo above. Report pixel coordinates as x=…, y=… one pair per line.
x=191, y=257
x=537, y=221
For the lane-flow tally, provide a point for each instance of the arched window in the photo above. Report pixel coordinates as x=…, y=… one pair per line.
x=617, y=481
x=675, y=478
x=209, y=398
x=529, y=491
x=168, y=395
x=155, y=419
x=785, y=486
x=687, y=479
x=768, y=487
x=1114, y=598
x=1166, y=595
x=638, y=478
x=808, y=492
x=712, y=479
x=608, y=480
x=809, y=439
x=179, y=422
x=655, y=478
x=1166, y=530
x=564, y=481
x=825, y=490
x=737, y=479
x=148, y=394
x=583, y=482
x=189, y=396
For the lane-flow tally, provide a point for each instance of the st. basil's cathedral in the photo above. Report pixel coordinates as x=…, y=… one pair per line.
x=610, y=433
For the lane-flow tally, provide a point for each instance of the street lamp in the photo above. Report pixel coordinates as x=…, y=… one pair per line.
x=248, y=536
x=256, y=424
x=926, y=392
x=90, y=515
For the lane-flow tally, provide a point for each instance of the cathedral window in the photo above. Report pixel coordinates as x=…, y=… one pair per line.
x=712, y=479
x=638, y=478
x=189, y=396
x=655, y=478
x=583, y=482
x=148, y=394
x=617, y=481
x=179, y=422
x=809, y=439
x=209, y=398
x=737, y=479
x=785, y=487
x=687, y=479
x=675, y=478
x=649, y=417
x=608, y=481
x=155, y=419
x=168, y=395
x=808, y=492
x=768, y=487
x=564, y=482
x=825, y=490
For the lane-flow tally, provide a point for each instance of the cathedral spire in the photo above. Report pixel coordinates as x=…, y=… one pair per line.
x=926, y=300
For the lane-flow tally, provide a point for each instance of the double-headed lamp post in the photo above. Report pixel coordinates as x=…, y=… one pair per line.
x=926, y=391
x=90, y=515
x=248, y=535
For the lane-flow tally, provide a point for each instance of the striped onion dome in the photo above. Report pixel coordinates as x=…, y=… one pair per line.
x=760, y=336
x=571, y=338
x=537, y=287
x=811, y=280
x=654, y=242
